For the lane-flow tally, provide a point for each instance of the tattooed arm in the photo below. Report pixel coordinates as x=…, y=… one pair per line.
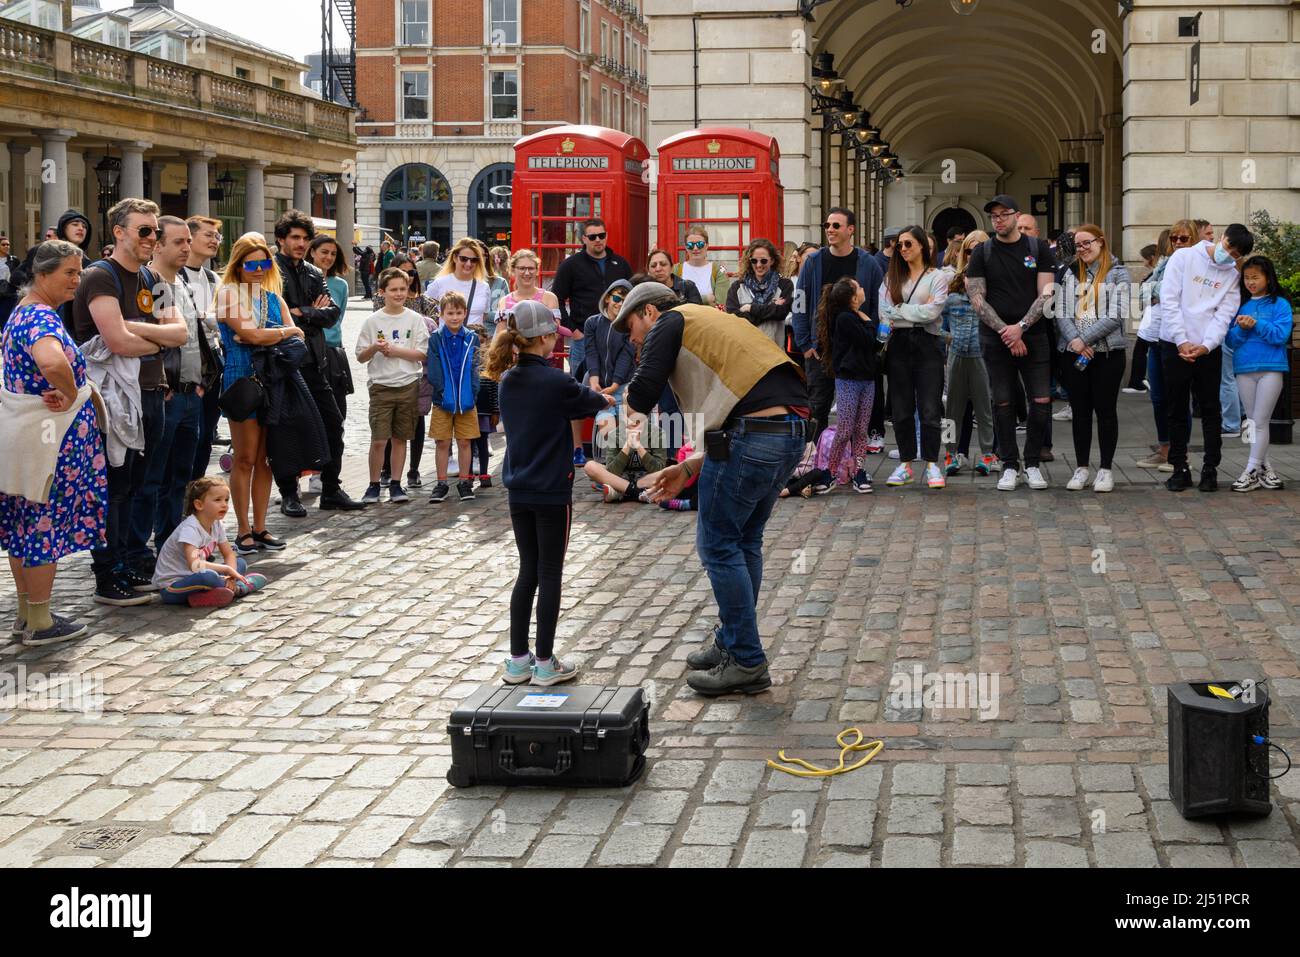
x=977, y=289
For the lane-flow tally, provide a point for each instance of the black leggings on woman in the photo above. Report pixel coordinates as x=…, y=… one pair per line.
x=542, y=537
x=1095, y=391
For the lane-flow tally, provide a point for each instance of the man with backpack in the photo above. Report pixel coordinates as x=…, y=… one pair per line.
x=115, y=302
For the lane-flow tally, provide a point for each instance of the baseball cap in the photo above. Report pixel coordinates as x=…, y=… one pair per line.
x=533, y=320
x=893, y=232
x=1002, y=200
x=638, y=297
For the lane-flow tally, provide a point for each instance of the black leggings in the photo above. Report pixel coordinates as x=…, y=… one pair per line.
x=1138, y=369
x=479, y=447
x=542, y=537
x=416, y=451
x=1095, y=391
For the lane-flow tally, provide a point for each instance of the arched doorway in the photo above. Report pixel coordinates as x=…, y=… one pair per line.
x=415, y=205
x=489, y=204
x=948, y=218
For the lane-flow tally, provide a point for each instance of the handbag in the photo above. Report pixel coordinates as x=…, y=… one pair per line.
x=244, y=399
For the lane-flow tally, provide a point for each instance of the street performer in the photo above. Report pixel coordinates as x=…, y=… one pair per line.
x=749, y=401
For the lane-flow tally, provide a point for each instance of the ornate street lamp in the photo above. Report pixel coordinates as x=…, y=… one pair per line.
x=964, y=8
x=108, y=171
x=226, y=183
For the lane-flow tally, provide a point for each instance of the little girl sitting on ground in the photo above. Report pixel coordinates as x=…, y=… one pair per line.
x=184, y=573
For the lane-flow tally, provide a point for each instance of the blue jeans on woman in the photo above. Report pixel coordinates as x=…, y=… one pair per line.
x=736, y=500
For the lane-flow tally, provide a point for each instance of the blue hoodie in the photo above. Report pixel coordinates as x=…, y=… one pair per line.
x=1263, y=348
x=452, y=369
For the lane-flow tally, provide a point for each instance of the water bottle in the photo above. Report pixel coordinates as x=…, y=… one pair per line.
x=882, y=330
x=1081, y=363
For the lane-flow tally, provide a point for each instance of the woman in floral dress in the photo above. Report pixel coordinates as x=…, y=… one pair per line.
x=40, y=358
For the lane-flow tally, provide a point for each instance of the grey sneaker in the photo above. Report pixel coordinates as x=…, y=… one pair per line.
x=554, y=672
x=730, y=677
x=61, y=630
x=707, y=657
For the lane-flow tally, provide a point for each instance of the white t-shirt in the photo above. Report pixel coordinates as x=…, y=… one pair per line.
x=449, y=283
x=406, y=330
x=171, y=563
x=702, y=276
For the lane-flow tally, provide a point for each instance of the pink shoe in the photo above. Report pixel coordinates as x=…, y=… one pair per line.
x=212, y=598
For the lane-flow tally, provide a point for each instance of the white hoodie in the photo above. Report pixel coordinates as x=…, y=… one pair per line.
x=1198, y=298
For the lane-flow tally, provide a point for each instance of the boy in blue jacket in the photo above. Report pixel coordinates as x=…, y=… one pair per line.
x=452, y=368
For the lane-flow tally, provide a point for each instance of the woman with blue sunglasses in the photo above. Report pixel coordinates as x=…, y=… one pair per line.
x=252, y=313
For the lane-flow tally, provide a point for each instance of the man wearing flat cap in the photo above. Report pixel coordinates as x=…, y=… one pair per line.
x=747, y=404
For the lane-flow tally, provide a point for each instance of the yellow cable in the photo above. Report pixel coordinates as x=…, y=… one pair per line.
x=874, y=747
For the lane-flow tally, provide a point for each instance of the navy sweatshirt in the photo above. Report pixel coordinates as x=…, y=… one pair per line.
x=537, y=402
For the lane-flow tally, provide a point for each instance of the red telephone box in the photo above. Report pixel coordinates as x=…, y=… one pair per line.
x=567, y=174
x=725, y=179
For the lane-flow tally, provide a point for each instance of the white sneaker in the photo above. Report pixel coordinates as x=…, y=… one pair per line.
x=893, y=453
x=1010, y=478
x=1065, y=415
x=1105, y=481
x=1079, y=479
x=314, y=486
x=1034, y=478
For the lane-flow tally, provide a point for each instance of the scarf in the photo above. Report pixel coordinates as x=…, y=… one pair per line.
x=763, y=290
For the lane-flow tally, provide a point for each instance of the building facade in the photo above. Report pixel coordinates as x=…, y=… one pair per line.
x=996, y=100
x=446, y=87
x=206, y=123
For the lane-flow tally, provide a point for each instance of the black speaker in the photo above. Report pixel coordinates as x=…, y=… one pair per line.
x=1215, y=766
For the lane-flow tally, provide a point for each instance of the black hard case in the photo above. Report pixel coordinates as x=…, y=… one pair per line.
x=595, y=737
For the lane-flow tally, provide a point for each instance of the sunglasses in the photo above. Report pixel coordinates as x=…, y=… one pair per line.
x=467, y=259
x=593, y=237
x=761, y=262
x=257, y=265
x=144, y=232
x=908, y=245
x=1180, y=239
x=835, y=225
x=616, y=298
x=698, y=244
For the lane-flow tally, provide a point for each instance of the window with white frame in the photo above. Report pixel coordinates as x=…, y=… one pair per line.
x=504, y=22
x=584, y=28
x=617, y=45
x=604, y=106
x=415, y=22
x=415, y=95
x=616, y=120
x=604, y=39
x=505, y=94
x=584, y=86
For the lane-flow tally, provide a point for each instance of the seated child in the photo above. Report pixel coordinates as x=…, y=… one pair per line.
x=625, y=465
x=690, y=495
x=184, y=573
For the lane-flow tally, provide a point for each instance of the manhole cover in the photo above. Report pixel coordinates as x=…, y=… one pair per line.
x=105, y=838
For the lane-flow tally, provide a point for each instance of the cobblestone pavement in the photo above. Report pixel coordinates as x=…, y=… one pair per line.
x=305, y=725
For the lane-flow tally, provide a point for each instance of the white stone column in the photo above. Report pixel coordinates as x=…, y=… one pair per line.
x=54, y=176
x=156, y=170
x=19, y=240
x=255, y=196
x=752, y=73
x=132, y=182
x=345, y=224
x=302, y=190
x=198, y=182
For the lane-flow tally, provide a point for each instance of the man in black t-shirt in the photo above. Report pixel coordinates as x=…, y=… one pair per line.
x=1008, y=279
x=112, y=302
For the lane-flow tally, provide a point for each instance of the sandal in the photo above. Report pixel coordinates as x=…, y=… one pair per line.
x=246, y=544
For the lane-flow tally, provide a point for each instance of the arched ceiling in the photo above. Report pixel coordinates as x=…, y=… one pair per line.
x=1010, y=80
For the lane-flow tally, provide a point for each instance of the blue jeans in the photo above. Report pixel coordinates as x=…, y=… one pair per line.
x=736, y=499
x=157, y=508
x=577, y=355
x=1229, y=400
x=179, y=591
x=124, y=484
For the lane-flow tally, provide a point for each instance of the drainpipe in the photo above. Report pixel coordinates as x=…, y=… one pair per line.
x=695, y=52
